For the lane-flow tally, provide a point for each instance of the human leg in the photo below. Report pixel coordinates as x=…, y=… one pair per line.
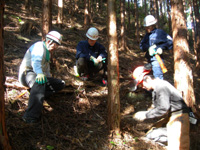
x=53, y=85
x=157, y=71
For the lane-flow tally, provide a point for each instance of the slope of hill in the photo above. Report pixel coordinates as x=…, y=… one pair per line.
x=75, y=118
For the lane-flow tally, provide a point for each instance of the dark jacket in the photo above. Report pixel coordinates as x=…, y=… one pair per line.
x=166, y=98
x=158, y=37
x=84, y=50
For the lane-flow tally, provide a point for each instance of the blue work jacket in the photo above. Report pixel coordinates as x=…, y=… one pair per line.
x=158, y=37
x=84, y=50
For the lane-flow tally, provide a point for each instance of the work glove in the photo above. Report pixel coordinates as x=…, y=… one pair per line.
x=94, y=60
x=41, y=78
x=140, y=116
x=100, y=59
x=159, y=51
x=152, y=50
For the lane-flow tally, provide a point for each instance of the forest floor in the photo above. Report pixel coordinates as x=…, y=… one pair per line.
x=75, y=118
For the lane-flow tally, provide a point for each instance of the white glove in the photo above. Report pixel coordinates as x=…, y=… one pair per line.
x=159, y=51
x=140, y=115
x=94, y=60
x=152, y=50
x=99, y=59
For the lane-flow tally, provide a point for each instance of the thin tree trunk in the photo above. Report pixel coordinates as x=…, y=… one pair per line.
x=145, y=7
x=60, y=13
x=169, y=18
x=183, y=78
x=4, y=141
x=46, y=17
x=113, y=70
x=157, y=13
x=197, y=24
x=86, y=14
x=136, y=21
x=122, y=14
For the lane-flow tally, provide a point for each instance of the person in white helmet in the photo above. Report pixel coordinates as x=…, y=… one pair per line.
x=155, y=42
x=91, y=57
x=34, y=73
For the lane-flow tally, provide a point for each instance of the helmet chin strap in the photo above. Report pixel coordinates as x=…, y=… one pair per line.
x=48, y=46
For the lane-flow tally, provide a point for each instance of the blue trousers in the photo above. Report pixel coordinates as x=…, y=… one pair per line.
x=157, y=71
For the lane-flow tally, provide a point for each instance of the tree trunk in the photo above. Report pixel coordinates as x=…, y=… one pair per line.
x=136, y=21
x=129, y=16
x=4, y=141
x=183, y=78
x=60, y=13
x=169, y=18
x=113, y=70
x=86, y=14
x=145, y=7
x=197, y=24
x=46, y=18
x=157, y=13
x=122, y=16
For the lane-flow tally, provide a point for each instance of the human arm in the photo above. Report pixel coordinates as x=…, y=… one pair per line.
x=161, y=103
x=37, y=56
x=144, y=44
x=161, y=39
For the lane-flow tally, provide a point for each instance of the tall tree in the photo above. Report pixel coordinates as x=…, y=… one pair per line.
x=122, y=16
x=136, y=20
x=197, y=31
x=183, y=78
x=60, y=13
x=86, y=14
x=157, y=13
x=129, y=16
x=113, y=70
x=169, y=17
x=46, y=17
x=4, y=142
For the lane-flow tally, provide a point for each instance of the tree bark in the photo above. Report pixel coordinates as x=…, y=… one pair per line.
x=197, y=31
x=60, y=13
x=113, y=70
x=4, y=141
x=46, y=18
x=183, y=78
x=169, y=18
x=122, y=16
x=136, y=21
x=86, y=14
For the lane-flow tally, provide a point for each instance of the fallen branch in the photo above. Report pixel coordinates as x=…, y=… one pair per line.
x=15, y=86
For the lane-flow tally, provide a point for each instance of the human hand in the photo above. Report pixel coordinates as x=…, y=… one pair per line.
x=99, y=58
x=41, y=78
x=159, y=51
x=152, y=50
x=94, y=60
x=140, y=116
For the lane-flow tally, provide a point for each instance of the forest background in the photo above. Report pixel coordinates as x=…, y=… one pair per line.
x=79, y=116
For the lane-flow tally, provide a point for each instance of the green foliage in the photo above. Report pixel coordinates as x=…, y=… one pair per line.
x=50, y=147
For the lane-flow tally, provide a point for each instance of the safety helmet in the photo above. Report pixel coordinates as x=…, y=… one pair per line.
x=138, y=75
x=149, y=20
x=92, y=33
x=55, y=36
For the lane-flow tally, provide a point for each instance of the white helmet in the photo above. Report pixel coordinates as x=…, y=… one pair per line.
x=149, y=20
x=55, y=36
x=92, y=33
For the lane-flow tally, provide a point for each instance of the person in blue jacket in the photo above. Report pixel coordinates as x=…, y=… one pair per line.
x=91, y=57
x=154, y=42
x=34, y=73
